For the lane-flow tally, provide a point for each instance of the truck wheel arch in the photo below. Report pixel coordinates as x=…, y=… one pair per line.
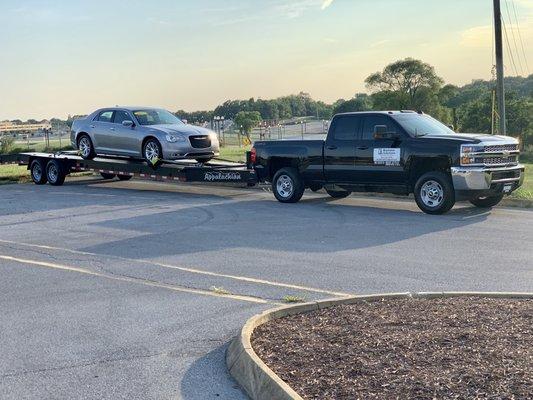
x=276, y=163
x=418, y=166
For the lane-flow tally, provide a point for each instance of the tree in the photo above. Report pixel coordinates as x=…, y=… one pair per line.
x=361, y=102
x=408, y=83
x=247, y=120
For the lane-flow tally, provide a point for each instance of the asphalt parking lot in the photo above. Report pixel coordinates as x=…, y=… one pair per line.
x=132, y=290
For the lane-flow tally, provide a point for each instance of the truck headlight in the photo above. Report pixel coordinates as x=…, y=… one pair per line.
x=468, y=148
x=174, y=138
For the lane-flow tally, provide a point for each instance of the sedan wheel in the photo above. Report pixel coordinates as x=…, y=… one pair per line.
x=152, y=151
x=85, y=147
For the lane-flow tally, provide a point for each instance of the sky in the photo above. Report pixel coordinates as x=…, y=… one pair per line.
x=70, y=57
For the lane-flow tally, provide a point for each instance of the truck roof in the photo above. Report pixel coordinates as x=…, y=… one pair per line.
x=390, y=112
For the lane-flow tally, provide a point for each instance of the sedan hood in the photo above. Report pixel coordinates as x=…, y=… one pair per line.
x=183, y=129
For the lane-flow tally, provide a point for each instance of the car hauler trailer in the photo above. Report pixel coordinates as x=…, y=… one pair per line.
x=54, y=167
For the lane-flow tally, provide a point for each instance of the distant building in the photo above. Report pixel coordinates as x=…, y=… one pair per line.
x=10, y=127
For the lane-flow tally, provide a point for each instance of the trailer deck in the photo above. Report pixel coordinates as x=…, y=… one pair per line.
x=65, y=163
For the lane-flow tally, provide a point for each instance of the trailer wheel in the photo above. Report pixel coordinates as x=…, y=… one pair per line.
x=288, y=186
x=107, y=176
x=434, y=193
x=85, y=147
x=124, y=177
x=338, y=194
x=55, y=173
x=37, y=170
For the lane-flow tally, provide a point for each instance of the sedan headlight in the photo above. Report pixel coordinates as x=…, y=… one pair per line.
x=174, y=138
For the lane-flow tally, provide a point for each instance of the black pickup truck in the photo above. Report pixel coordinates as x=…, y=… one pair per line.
x=399, y=152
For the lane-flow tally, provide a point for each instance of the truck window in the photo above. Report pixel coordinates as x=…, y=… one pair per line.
x=371, y=121
x=345, y=128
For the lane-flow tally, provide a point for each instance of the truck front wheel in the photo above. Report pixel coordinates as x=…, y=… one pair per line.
x=487, y=202
x=434, y=193
x=287, y=185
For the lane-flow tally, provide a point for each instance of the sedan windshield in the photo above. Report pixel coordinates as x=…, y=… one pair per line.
x=156, y=117
x=421, y=125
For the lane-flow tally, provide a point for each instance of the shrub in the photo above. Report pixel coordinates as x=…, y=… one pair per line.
x=6, y=144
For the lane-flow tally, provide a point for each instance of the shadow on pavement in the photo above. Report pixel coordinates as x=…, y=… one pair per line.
x=208, y=378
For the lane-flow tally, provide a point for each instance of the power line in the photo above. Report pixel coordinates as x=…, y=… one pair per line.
x=514, y=38
x=520, y=37
x=509, y=50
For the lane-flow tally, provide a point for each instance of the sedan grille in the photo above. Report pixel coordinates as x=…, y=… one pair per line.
x=200, y=142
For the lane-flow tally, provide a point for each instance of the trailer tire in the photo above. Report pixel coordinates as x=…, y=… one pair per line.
x=38, y=172
x=338, y=194
x=434, y=193
x=85, y=147
x=55, y=173
x=124, y=177
x=287, y=185
x=487, y=202
x=107, y=176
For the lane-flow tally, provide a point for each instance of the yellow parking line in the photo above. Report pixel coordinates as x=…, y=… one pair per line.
x=192, y=270
x=132, y=280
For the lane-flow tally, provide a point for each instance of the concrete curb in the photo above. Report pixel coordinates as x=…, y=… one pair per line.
x=261, y=383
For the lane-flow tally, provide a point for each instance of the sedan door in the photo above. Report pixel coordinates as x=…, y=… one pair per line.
x=101, y=131
x=124, y=140
x=339, y=149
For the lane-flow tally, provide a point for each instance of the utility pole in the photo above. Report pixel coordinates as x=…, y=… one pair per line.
x=499, y=66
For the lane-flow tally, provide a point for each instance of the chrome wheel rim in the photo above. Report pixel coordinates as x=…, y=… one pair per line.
x=432, y=193
x=151, y=151
x=37, y=172
x=85, y=147
x=53, y=173
x=285, y=186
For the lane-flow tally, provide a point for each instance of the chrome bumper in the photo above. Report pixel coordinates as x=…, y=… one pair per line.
x=475, y=178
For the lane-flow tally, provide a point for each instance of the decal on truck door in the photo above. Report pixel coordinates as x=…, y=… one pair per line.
x=387, y=156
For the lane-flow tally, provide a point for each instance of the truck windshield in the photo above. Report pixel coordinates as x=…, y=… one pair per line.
x=421, y=125
x=156, y=117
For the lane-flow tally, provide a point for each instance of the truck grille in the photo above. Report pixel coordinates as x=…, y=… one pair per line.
x=200, y=142
x=501, y=147
x=496, y=160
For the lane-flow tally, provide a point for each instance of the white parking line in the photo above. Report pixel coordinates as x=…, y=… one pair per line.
x=191, y=270
x=132, y=280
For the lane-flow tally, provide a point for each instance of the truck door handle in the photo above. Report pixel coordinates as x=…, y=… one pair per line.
x=362, y=148
x=91, y=126
x=332, y=147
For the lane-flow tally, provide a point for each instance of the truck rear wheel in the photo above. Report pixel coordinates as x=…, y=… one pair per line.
x=434, y=193
x=55, y=173
x=338, y=194
x=37, y=170
x=287, y=185
x=487, y=202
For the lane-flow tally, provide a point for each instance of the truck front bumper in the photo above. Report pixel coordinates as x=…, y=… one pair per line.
x=487, y=179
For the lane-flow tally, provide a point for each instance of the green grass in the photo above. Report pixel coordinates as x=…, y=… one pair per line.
x=526, y=191
x=234, y=153
x=293, y=299
x=13, y=174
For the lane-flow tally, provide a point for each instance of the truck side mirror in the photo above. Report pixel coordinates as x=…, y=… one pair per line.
x=380, y=132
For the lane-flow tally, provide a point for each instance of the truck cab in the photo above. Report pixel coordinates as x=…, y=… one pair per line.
x=399, y=152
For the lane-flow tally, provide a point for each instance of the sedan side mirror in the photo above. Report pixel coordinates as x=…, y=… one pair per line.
x=127, y=122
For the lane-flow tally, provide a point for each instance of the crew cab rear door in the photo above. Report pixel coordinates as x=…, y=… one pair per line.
x=380, y=161
x=339, y=149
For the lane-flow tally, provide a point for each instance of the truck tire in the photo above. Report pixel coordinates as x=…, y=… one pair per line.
x=85, y=147
x=434, y=193
x=55, y=173
x=487, y=202
x=287, y=185
x=38, y=172
x=338, y=194
x=107, y=176
x=124, y=177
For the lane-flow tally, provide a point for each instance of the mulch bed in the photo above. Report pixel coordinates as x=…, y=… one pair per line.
x=447, y=348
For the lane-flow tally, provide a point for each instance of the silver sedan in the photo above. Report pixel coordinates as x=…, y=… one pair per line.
x=141, y=132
